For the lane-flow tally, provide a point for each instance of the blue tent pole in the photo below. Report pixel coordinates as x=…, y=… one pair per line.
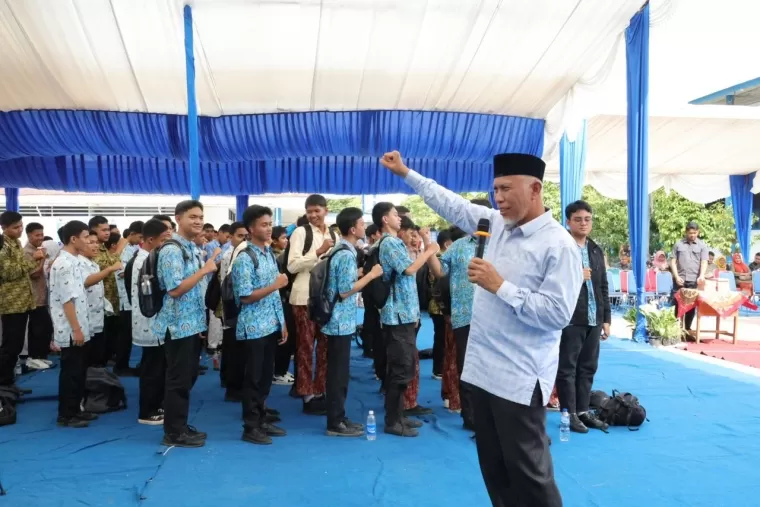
x=572, y=168
x=192, y=108
x=741, y=202
x=637, y=73
x=11, y=199
x=241, y=203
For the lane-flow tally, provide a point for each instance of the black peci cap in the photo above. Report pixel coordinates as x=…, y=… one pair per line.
x=518, y=164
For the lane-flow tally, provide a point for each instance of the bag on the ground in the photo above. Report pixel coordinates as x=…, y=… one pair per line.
x=321, y=306
x=128, y=276
x=8, y=400
x=150, y=302
x=308, y=240
x=620, y=409
x=377, y=292
x=103, y=392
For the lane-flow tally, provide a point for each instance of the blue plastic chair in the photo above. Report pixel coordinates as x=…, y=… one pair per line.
x=663, y=283
x=728, y=275
x=613, y=286
x=756, y=284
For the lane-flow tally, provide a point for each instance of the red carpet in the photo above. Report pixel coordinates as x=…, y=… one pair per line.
x=746, y=353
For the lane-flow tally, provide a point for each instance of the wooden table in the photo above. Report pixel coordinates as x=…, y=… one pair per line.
x=705, y=310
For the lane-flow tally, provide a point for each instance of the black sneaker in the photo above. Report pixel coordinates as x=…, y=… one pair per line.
x=202, y=368
x=316, y=406
x=343, y=430
x=271, y=418
x=418, y=410
x=256, y=436
x=411, y=423
x=193, y=431
x=590, y=420
x=272, y=411
x=352, y=424
x=576, y=425
x=72, y=422
x=272, y=430
x=400, y=430
x=186, y=439
x=86, y=416
x=153, y=420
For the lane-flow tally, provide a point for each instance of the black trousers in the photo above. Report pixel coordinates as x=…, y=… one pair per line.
x=181, y=372
x=40, y=333
x=513, y=451
x=380, y=352
x=232, y=368
x=14, y=332
x=111, y=336
x=578, y=361
x=71, y=379
x=401, y=344
x=257, y=382
x=461, y=337
x=283, y=352
x=439, y=341
x=124, y=345
x=97, y=346
x=338, y=366
x=152, y=380
x=689, y=316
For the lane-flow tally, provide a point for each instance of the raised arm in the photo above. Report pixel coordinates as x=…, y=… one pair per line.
x=551, y=307
x=454, y=208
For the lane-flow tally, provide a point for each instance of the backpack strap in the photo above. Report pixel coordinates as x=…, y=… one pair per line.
x=308, y=239
x=339, y=248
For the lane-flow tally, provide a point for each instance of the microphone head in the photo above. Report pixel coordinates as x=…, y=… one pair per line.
x=484, y=225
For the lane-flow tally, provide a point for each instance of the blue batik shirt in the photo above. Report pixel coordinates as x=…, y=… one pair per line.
x=403, y=305
x=265, y=316
x=184, y=316
x=341, y=279
x=454, y=263
x=589, y=287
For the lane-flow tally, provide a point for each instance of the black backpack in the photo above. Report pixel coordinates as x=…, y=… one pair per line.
x=307, y=242
x=8, y=401
x=621, y=409
x=151, y=304
x=423, y=288
x=377, y=292
x=230, y=308
x=213, y=293
x=128, y=276
x=320, y=306
x=103, y=392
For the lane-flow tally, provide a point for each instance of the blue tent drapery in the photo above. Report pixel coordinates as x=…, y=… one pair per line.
x=11, y=199
x=241, y=203
x=572, y=168
x=741, y=200
x=637, y=73
x=328, y=152
x=192, y=108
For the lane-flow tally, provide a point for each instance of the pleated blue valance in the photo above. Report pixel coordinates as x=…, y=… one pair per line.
x=329, y=152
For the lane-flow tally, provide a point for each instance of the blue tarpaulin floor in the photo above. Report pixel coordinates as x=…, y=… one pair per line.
x=700, y=448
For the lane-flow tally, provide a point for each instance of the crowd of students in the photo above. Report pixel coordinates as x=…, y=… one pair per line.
x=80, y=296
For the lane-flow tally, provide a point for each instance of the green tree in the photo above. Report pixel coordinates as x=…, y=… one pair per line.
x=610, y=220
x=341, y=203
x=552, y=200
x=424, y=216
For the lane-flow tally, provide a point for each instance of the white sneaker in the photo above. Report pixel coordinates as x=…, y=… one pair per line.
x=436, y=377
x=445, y=403
x=36, y=364
x=282, y=381
x=154, y=420
x=290, y=375
x=46, y=361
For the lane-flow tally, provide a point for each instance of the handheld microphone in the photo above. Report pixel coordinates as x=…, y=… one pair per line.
x=484, y=226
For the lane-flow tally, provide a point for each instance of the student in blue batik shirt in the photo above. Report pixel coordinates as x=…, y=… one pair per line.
x=181, y=321
x=579, y=345
x=261, y=323
x=399, y=317
x=343, y=285
x=454, y=263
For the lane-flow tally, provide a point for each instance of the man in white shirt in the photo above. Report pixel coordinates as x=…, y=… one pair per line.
x=68, y=310
x=528, y=283
x=307, y=245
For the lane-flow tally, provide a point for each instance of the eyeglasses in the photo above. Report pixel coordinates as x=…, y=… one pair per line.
x=580, y=220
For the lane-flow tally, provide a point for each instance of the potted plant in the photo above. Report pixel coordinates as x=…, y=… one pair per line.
x=663, y=327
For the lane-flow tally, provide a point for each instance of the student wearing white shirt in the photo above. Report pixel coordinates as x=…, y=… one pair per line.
x=71, y=330
x=153, y=363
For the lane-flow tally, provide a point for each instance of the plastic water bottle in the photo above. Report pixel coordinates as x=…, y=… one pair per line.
x=564, y=426
x=371, y=426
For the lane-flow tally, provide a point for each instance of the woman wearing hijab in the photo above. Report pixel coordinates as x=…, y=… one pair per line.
x=660, y=261
x=742, y=273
